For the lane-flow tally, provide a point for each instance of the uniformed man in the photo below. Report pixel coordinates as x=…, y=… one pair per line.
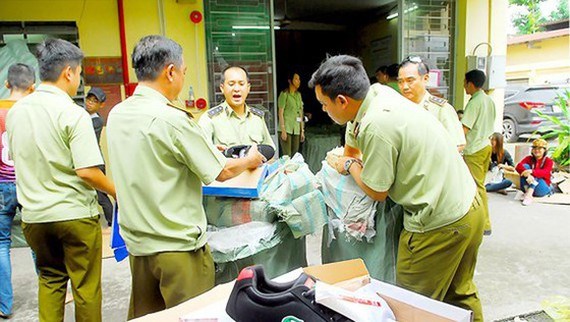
x=478, y=124
x=392, y=77
x=413, y=78
x=234, y=122
x=56, y=158
x=408, y=156
x=160, y=157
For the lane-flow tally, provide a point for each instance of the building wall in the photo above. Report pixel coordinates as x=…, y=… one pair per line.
x=480, y=21
x=98, y=24
x=374, y=31
x=544, y=61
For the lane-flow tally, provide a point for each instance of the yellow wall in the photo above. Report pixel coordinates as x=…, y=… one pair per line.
x=541, y=62
x=377, y=30
x=475, y=21
x=98, y=24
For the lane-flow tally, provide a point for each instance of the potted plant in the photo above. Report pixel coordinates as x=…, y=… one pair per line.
x=561, y=129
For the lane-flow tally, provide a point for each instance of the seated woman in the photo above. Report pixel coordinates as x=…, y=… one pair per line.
x=535, y=171
x=501, y=160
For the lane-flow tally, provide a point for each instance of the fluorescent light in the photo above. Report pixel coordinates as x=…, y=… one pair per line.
x=394, y=15
x=256, y=27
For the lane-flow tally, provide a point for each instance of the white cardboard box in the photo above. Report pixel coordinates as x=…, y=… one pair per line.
x=407, y=306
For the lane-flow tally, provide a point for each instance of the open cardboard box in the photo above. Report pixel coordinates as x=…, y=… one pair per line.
x=407, y=306
x=246, y=185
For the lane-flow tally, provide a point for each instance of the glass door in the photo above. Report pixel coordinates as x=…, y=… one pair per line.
x=427, y=29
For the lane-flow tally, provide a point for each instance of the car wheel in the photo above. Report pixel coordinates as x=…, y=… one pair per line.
x=510, y=130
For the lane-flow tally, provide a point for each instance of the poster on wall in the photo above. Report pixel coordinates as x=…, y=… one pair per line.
x=381, y=51
x=102, y=70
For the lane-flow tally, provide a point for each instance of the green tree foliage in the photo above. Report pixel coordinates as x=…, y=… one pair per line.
x=561, y=11
x=560, y=130
x=528, y=22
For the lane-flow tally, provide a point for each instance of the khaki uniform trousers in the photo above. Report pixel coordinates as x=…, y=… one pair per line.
x=440, y=263
x=164, y=280
x=67, y=250
x=291, y=145
x=478, y=164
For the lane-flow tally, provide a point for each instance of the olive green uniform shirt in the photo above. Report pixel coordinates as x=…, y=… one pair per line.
x=479, y=117
x=223, y=126
x=50, y=137
x=292, y=106
x=445, y=113
x=394, y=85
x=159, y=157
x=408, y=153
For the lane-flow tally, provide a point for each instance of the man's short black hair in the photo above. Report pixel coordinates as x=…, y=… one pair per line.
x=381, y=69
x=152, y=54
x=392, y=71
x=476, y=77
x=56, y=54
x=21, y=77
x=223, y=75
x=341, y=74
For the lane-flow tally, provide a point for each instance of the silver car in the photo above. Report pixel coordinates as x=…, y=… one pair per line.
x=521, y=104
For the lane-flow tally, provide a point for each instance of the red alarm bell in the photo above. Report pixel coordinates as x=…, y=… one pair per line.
x=201, y=103
x=196, y=16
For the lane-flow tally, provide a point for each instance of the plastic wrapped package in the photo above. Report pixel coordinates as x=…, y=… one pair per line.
x=359, y=227
x=351, y=211
x=241, y=241
x=278, y=255
x=290, y=200
x=227, y=212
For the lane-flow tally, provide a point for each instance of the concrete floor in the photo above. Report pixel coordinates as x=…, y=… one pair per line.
x=525, y=261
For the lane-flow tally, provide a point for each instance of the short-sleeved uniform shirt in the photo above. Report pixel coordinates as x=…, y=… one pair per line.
x=479, y=117
x=445, y=113
x=292, y=106
x=407, y=152
x=50, y=137
x=223, y=126
x=159, y=157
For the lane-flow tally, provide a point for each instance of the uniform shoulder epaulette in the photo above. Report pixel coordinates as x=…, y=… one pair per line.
x=181, y=109
x=437, y=100
x=257, y=111
x=215, y=111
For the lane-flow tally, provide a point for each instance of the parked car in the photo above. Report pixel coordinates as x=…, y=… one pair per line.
x=521, y=104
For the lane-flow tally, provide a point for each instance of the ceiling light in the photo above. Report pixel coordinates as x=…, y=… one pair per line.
x=410, y=9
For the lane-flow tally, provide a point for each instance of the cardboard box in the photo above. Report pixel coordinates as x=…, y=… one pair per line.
x=521, y=151
x=407, y=306
x=514, y=177
x=245, y=185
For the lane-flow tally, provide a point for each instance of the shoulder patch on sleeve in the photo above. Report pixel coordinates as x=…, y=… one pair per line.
x=181, y=109
x=257, y=111
x=215, y=111
x=437, y=100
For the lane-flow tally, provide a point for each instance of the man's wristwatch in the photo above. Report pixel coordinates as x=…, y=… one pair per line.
x=347, y=165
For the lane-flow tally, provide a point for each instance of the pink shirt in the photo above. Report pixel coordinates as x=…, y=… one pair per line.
x=6, y=164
